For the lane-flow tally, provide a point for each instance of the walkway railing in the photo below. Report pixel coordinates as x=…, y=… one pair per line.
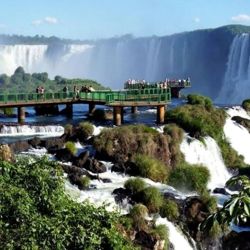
x=106, y=97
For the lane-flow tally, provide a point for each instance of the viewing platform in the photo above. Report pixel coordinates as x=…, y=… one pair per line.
x=116, y=99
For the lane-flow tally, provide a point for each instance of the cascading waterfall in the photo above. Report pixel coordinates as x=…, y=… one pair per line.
x=30, y=57
x=208, y=154
x=236, y=81
x=28, y=130
x=237, y=135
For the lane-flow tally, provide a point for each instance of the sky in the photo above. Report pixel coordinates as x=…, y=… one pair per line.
x=94, y=19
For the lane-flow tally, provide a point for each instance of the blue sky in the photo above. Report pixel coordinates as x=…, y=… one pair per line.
x=91, y=19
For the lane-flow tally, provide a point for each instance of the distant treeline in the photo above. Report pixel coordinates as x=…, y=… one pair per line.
x=22, y=82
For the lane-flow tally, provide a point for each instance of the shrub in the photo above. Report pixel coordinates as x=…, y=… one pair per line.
x=70, y=146
x=84, y=131
x=198, y=121
x=175, y=137
x=170, y=210
x=188, y=177
x=68, y=129
x=138, y=214
x=161, y=232
x=135, y=185
x=150, y=167
x=126, y=141
x=152, y=199
x=195, y=99
x=209, y=201
x=246, y=104
x=85, y=182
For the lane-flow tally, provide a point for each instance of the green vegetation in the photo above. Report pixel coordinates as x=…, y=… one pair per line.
x=21, y=82
x=235, y=210
x=135, y=185
x=194, y=99
x=175, y=137
x=209, y=201
x=152, y=199
x=138, y=214
x=246, y=104
x=84, y=131
x=85, y=182
x=71, y=147
x=150, y=167
x=199, y=119
x=126, y=141
x=37, y=214
x=189, y=177
x=161, y=232
x=170, y=210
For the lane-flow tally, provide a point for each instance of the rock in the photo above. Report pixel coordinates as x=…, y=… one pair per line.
x=235, y=240
x=64, y=155
x=6, y=153
x=106, y=180
x=121, y=194
x=20, y=146
x=81, y=159
x=95, y=166
x=220, y=191
x=117, y=167
x=53, y=144
x=145, y=240
x=35, y=142
x=242, y=121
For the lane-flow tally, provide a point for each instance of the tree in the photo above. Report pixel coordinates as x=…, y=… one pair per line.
x=236, y=209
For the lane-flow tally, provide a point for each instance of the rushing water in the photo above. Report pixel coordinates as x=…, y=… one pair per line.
x=237, y=135
x=208, y=154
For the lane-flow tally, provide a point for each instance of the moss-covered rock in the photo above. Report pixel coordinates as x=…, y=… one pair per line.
x=242, y=121
x=122, y=143
x=246, y=105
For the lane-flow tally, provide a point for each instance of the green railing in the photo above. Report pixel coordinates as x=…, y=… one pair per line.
x=107, y=97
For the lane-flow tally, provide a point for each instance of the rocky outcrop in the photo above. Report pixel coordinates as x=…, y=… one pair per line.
x=120, y=144
x=6, y=153
x=235, y=240
x=242, y=121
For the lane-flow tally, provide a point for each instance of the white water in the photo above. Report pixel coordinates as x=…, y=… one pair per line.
x=209, y=155
x=237, y=77
x=27, y=56
x=237, y=135
x=28, y=130
x=175, y=235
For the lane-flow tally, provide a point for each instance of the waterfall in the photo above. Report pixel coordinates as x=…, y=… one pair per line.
x=28, y=130
x=28, y=56
x=209, y=155
x=237, y=135
x=235, y=86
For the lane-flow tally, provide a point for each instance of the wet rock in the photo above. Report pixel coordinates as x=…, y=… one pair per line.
x=20, y=146
x=35, y=142
x=220, y=191
x=145, y=240
x=106, y=180
x=121, y=194
x=95, y=166
x=118, y=167
x=64, y=155
x=53, y=144
x=81, y=159
x=235, y=240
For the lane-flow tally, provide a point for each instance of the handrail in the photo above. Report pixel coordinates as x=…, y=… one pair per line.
x=107, y=97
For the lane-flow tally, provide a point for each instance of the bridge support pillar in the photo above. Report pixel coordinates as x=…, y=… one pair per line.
x=21, y=114
x=91, y=108
x=134, y=109
x=118, y=115
x=69, y=109
x=160, y=114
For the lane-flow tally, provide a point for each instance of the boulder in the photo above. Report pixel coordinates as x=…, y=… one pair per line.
x=220, y=191
x=145, y=240
x=235, y=240
x=95, y=166
x=64, y=155
x=35, y=142
x=81, y=159
x=19, y=146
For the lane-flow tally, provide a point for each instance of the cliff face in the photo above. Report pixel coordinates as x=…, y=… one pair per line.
x=202, y=55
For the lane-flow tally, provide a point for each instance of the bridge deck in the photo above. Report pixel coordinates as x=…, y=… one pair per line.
x=147, y=97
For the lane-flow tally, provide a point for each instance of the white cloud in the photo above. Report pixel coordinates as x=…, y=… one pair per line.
x=197, y=19
x=47, y=19
x=241, y=18
x=50, y=19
